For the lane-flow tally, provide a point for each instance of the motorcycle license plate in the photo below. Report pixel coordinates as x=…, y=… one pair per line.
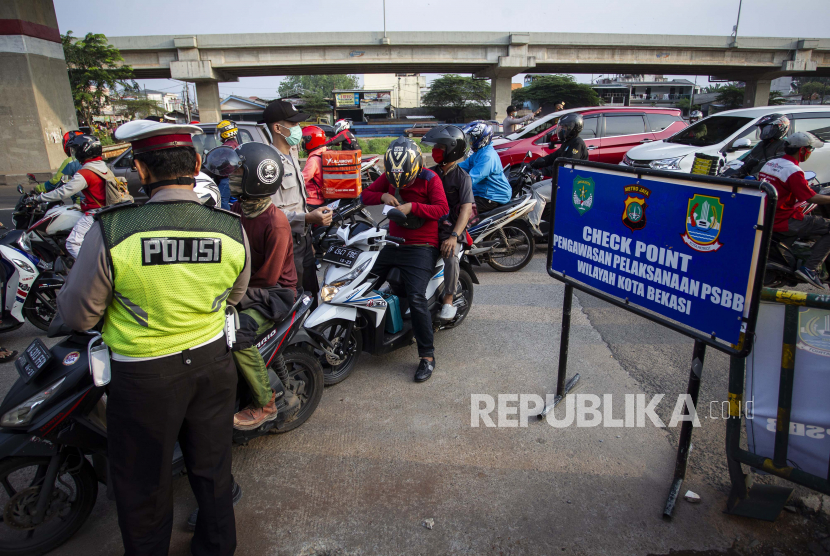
x=341, y=256
x=36, y=358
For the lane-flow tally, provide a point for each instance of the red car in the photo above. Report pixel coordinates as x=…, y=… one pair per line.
x=608, y=132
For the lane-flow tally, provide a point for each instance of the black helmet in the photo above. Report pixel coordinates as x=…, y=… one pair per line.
x=222, y=161
x=773, y=127
x=260, y=172
x=451, y=138
x=85, y=147
x=402, y=162
x=570, y=126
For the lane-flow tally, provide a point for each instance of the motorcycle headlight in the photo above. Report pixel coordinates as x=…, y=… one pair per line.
x=23, y=264
x=328, y=291
x=667, y=163
x=23, y=413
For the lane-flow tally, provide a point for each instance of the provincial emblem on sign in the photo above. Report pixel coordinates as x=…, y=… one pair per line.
x=704, y=217
x=814, y=331
x=634, y=211
x=583, y=194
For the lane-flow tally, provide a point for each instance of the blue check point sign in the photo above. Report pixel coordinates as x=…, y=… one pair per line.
x=680, y=250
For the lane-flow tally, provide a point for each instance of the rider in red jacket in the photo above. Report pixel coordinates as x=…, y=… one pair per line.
x=344, y=137
x=314, y=144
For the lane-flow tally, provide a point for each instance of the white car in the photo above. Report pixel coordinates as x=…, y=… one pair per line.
x=731, y=134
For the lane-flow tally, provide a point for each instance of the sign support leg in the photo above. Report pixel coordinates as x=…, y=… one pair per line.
x=562, y=388
x=693, y=389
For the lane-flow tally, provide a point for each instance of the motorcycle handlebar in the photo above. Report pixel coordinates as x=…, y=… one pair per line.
x=396, y=239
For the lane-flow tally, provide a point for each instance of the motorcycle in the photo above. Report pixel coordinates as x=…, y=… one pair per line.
x=787, y=253
x=47, y=226
x=356, y=314
x=53, y=434
x=369, y=171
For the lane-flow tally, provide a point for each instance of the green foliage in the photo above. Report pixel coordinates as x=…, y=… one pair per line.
x=139, y=107
x=321, y=85
x=684, y=105
x=819, y=86
x=731, y=96
x=315, y=104
x=93, y=67
x=776, y=98
x=378, y=145
x=454, y=98
x=713, y=88
x=550, y=89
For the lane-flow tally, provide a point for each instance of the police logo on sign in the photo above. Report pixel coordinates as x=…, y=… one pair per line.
x=172, y=250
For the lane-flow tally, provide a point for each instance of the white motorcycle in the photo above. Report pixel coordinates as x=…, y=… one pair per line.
x=356, y=314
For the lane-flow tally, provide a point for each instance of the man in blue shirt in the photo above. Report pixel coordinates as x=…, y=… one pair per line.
x=490, y=186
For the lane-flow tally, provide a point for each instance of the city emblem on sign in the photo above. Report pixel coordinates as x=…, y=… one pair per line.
x=583, y=194
x=814, y=331
x=704, y=217
x=634, y=212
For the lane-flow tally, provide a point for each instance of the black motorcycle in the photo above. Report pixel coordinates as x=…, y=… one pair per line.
x=53, y=436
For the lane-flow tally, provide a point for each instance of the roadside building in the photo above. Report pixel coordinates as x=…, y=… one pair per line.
x=363, y=105
x=644, y=90
x=242, y=109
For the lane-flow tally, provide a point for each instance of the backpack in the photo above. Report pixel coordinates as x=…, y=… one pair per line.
x=116, y=188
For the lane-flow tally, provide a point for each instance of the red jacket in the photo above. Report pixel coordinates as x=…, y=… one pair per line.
x=792, y=187
x=428, y=200
x=313, y=176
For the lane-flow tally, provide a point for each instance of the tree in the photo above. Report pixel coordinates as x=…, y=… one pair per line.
x=139, y=106
x=712, y=88
x=684, y=105
x=322, y=85
x=550, y=89
x=94, y=71
x=731, y=96
x=315, y=104
x=776, y=98
x=454, y=98
x=810, y=88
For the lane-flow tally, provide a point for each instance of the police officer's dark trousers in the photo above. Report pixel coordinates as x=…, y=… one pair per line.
x=306, y=265
x=187, y=397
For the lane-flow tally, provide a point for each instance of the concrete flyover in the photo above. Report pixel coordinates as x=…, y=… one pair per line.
x=210, y=59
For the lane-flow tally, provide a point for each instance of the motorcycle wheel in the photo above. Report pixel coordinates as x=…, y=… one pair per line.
x=74, y=497
x=517, y=253
x=305, y=379
x=466, y=283
x=335, y=332
x=41, y=305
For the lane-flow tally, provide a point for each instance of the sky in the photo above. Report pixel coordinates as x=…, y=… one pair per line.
x=766, y=18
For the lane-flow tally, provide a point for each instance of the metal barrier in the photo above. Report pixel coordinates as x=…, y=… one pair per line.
x=766, y=501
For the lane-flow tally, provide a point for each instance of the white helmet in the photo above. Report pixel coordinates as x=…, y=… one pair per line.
x=207, y=191
x=341, y=125
x=803, y=139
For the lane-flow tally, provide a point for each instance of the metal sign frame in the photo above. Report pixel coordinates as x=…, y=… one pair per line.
x=741, y=349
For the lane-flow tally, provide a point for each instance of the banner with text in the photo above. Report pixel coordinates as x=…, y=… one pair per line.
x=683, y=250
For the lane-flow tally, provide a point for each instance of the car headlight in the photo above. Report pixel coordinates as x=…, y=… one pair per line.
x=328, y=291
x=626, y=160
x=23, y=264
x=23, y=413
x=667, y=163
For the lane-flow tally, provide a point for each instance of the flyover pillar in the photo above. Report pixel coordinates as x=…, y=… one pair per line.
x=756, y=92
x=501, y=74
x=207, y=96
x=37, y=107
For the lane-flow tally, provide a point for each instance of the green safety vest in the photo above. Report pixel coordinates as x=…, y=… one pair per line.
x=173, y=265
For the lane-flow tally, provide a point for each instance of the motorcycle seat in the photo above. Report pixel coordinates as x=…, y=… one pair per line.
x=501, y=208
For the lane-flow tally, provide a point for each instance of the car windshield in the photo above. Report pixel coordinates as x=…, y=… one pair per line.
x=710, y=131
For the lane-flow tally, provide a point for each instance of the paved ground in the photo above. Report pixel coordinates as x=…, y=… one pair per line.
x=383, y=453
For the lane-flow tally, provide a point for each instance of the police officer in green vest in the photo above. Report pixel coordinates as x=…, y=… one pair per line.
x=161, y=275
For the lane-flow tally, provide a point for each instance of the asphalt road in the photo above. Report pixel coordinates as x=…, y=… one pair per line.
x=382, y=453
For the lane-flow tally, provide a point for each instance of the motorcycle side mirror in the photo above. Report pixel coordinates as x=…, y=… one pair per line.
x=742, y=144
x=529, y=154
x=20, y=189
x=809, y=176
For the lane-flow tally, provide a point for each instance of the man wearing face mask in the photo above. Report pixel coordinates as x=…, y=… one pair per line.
x=283, y=121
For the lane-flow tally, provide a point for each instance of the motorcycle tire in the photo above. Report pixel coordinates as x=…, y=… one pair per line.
x=517, y=236
x=466, y=282
x=39, y=312
x=334, y=330
x=63, y=526
x=305, y=379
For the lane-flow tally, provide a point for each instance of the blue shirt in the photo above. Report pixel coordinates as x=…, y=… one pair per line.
x=489, y=181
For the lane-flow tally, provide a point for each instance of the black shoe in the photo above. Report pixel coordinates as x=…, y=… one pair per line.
x=425, y=369
x=810, y=276
x=237, y=495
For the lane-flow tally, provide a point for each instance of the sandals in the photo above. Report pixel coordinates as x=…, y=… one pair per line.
x=6, y=355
